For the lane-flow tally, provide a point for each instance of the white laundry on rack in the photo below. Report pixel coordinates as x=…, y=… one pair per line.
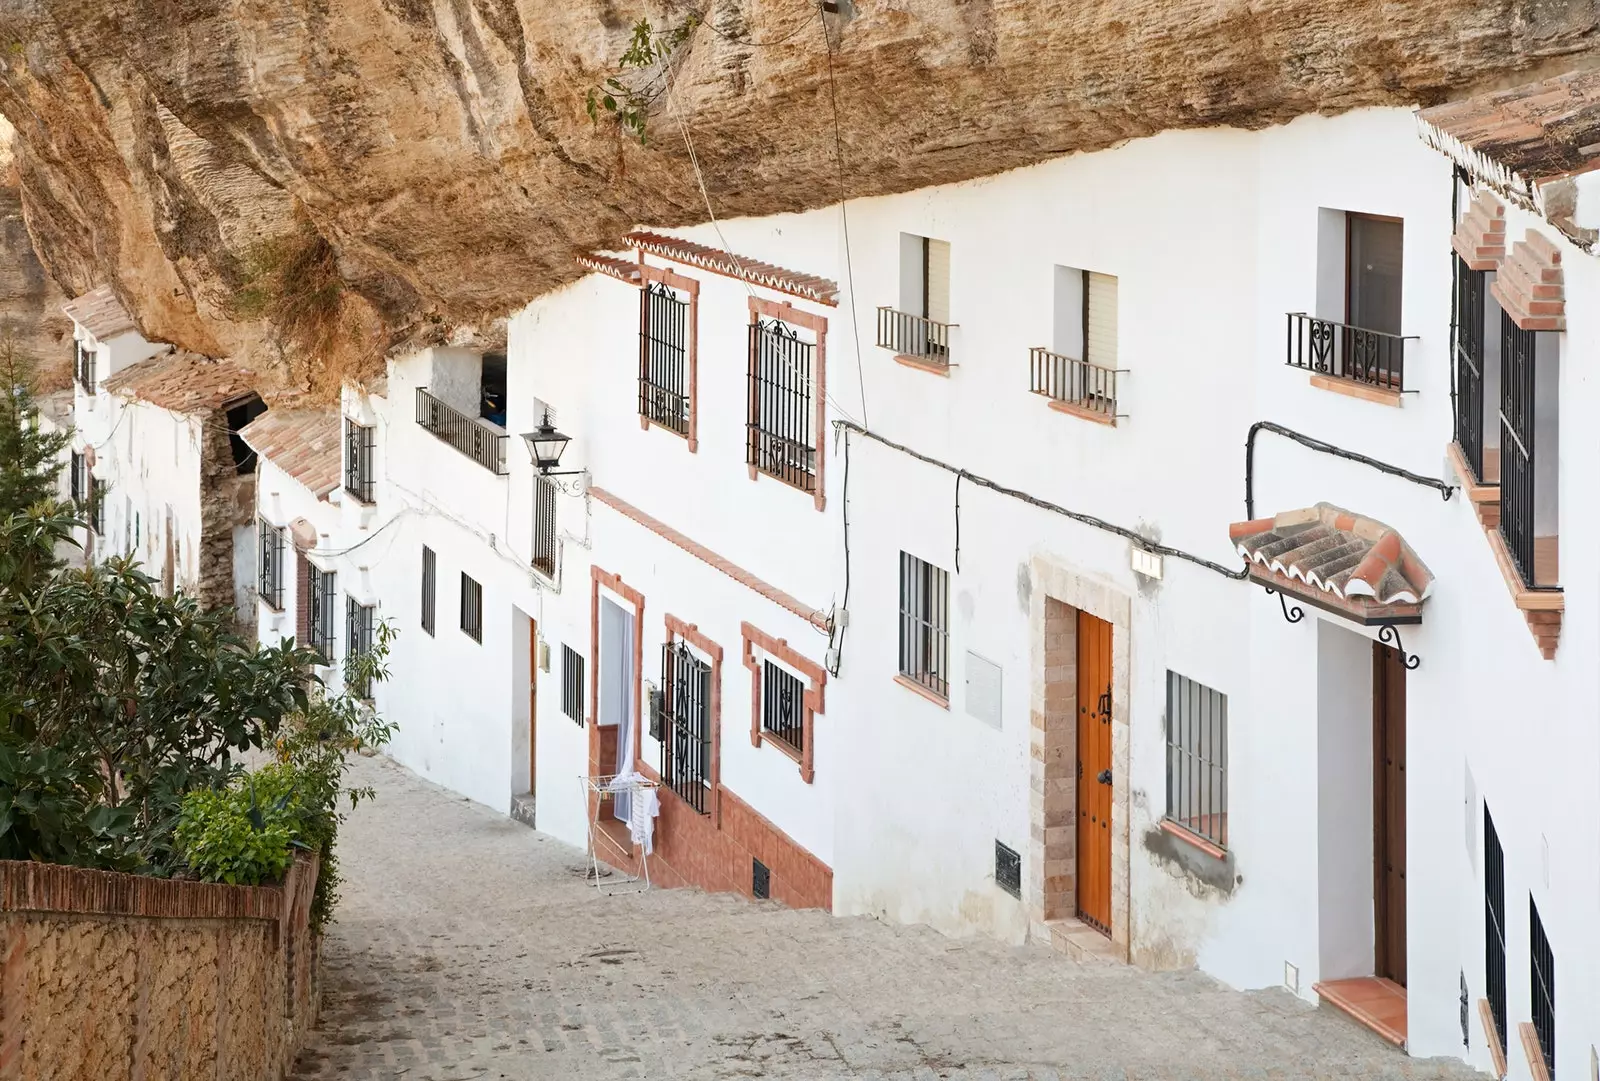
x=643, y=808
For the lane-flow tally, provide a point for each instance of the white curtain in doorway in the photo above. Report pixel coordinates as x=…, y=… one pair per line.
x=617, y=689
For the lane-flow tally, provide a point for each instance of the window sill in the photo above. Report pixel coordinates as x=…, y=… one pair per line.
x=923, y=364
x=1073, y=409
x=1531, y=1048
x=814, y=491
x=1492, y=1035
x=1364, y=391
x=1189, y=837
x=646, y=423
x=769, y=738
x=912, y=685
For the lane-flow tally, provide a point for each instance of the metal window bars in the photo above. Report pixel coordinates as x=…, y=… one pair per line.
x=1086, y=386
x=783, y=706
x=914, y=335
x=1469, y=348
x=544, y=526
x=359, y=442
x=924, y=619
x=1494, y=926
x=664, y=358
x=76, y=478
x=358, y=642
x=1197, y=758
x=1542, y=974
x=471, y=608
x=430, y=589
x=321, y=616
x=84, y=367
x=779, y=419
x=1346, y=352
x=1517, y=360
x=469, y=435
x=572, y=683
x=685, y=724
x=96, y=493
x=270, y=585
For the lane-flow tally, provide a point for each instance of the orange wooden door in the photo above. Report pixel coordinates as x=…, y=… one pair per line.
x=1094, y=772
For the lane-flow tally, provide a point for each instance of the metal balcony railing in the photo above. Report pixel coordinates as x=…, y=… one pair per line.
x=913, y=336
x=473, y=437
x=1086, y=386
x=1345, y=352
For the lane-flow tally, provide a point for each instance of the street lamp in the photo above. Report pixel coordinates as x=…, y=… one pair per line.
x=546, y=445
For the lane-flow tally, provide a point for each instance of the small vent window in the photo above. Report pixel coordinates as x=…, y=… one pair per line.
x=572, y=683
x=429, y=588
x=760, y=880
x=1008, y=869
x=471, y=608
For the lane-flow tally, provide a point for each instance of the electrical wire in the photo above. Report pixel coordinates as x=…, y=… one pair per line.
x=844, y=220
x=705, y=20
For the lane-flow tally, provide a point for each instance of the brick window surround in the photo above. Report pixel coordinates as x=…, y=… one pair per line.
x=818, y=325
x=678, y=630
x=614, y=583
x=671, y=279
x=811, y=703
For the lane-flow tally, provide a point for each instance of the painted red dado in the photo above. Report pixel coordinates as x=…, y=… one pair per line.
x=715, y=851
x=811, y=704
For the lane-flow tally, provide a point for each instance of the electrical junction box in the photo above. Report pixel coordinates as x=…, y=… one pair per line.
x=1146, y=563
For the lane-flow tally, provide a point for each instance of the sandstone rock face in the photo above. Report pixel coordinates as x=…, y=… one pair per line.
x=442, y=148
x=30, y=300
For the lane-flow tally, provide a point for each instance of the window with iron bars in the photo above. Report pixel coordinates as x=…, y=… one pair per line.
x=544, y=526
x=1542, y=973
x=1197, y=758
x=359, y=441
x=783, y=706
x=84, y=367
x=78, y=471
x=471, y=608
x=358, y=643
x=778, y=426
x=270, y=587
x=324, y=596
x=664, y=357
x=573, y=686
x=1471, y=363
x=1494, y=926
x=685, y=723
x=924, y=619
x=97, y=502
x=430, y=588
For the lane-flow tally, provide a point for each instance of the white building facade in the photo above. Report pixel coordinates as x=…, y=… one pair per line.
x=940, y=597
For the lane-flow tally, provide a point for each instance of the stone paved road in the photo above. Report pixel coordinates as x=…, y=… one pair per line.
x=468, y=947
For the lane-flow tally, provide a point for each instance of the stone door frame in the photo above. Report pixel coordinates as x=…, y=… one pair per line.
x=1058, y=594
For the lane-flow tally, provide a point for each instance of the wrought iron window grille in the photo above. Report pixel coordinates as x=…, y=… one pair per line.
x=1197, y=758
x=471, y=608
x=664, y=358
x=760, y=880
x=270, y=585
x=1494, y=926
x=1370, y=357
x=783, y=706
x=360, y=441
x=323, y=597
x=685, y=724
x=430, y=589
x=914, y=336
x=1542, y=975
x=1518, y=355
x=1008, y=869
x=358, y=642
x=545, y=545
x=573, y=684
x=924, y=622
x=1471, y=290
x=470, y=435
x=779, y=440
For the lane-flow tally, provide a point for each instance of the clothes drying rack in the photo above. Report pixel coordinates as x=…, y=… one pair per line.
x=595, y=789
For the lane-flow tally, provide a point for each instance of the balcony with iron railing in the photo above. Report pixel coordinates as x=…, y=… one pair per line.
x=915, y=340
x=1340, y=356
x=478, y=439
x=1079, y=387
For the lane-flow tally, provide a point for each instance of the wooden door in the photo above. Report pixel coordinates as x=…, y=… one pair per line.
x=1389, y=811
x=1094, y=772
x=533, y=705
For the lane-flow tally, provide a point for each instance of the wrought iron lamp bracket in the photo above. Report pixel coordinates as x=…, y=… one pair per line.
x=1293, y=613
x=1389, y=635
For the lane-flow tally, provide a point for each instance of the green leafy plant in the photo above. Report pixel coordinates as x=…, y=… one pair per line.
x=642, y=76
x=244, y=835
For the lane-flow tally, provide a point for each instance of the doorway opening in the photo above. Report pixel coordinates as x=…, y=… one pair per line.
x=1361, y=814
x=524, y=718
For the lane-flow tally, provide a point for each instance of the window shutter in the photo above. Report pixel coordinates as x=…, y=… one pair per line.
x=938, y=272
x=1102, y=320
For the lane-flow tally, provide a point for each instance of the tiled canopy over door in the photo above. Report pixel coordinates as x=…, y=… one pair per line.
x=1102, y=320
x=938, y=281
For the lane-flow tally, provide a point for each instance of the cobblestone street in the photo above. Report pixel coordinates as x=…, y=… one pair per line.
x=468, y=946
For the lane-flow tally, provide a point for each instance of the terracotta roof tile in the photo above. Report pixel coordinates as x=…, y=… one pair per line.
x=1358, y=562
x=754, y=271
x=184, y=382
x=304, y=443
x=620, y=269
x=100, y=313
